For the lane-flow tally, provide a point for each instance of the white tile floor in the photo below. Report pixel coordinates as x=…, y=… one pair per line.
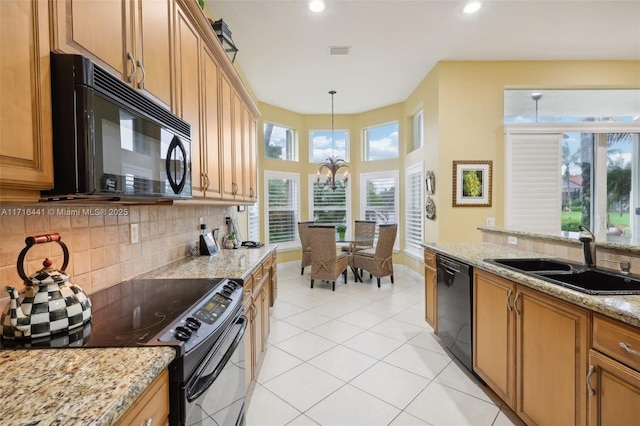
x=362, y=355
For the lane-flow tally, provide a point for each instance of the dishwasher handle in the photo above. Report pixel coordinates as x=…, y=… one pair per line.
x=451, y=266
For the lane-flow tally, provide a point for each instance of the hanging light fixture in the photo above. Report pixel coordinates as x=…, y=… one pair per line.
x=536, y=97
x=333, y=163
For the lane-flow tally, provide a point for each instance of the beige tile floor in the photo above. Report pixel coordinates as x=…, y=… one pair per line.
x=362, y=355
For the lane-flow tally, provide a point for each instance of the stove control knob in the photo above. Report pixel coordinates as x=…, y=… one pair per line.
x=193, y=323
x=182, y=333
x=228, y=288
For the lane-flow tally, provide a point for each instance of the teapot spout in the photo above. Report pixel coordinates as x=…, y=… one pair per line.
x=19, y=320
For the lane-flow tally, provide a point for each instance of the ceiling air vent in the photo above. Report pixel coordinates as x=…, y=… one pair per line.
x=339, y=50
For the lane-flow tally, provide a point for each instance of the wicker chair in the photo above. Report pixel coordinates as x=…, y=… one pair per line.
x=327, y=263
x=378, y=261
x=364, y=233
x=305, y=245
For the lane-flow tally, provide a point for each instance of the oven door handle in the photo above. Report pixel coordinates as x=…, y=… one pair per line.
x=205, y=382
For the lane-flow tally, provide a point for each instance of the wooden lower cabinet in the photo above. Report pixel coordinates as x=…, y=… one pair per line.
x=273, y=277
x=613, y=379
x=430, y=289
x=531, y=349
x=152, y=407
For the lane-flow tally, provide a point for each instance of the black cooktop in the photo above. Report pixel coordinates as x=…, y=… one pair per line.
x=129, y=314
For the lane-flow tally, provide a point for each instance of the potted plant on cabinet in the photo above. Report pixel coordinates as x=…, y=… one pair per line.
x=341, y=229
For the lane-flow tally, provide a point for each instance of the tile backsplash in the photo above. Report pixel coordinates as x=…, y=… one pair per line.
x=98, y=239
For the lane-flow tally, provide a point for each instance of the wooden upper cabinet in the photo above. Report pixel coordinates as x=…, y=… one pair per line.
x=226, y=140
x=250, y=170
x=26, y=159
x=131, y=39
x=210, y=140
x=240, y=161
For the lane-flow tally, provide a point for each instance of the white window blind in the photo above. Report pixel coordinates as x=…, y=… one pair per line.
x=379, y=197
x=328, y=206
x=533, y=182
x=282, y=195
x=253, y=222
x=414, y=216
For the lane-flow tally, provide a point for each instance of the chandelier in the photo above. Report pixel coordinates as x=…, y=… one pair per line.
x=333, y=163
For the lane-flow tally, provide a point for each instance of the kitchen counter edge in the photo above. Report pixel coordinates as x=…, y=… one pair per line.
x=625, y=308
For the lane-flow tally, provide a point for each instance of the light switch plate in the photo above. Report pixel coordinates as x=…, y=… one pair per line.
x=513, y=240
x=134, y=235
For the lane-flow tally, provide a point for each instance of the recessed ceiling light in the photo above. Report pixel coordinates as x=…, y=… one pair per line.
x=472, y=7
x=316, y=6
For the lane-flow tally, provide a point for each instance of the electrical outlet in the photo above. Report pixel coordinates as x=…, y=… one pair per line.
x=513, y=240
x=134, y=235
x=491, y=221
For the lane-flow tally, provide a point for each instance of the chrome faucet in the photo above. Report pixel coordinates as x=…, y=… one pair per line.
x=588, y=241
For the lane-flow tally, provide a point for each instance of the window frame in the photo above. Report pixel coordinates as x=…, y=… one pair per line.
x=293, y=145
x=277, y=175
x=387, y=174
x=348, y=215
x=414, y=249
x=417, y=130
x=365, y=141
x=347, y=154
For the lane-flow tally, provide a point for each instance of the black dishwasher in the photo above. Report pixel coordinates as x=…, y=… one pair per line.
x=454, y=307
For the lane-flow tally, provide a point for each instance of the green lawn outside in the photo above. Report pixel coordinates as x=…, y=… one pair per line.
x=615, y=218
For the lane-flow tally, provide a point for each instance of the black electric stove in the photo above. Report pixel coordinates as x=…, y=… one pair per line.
x=134, y=313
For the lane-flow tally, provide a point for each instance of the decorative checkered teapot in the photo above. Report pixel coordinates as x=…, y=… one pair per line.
x=49, y=304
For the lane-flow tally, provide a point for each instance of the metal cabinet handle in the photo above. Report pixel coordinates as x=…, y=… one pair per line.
x=515, y=303
x=144, y=75
x=592, y=369
x=509, y=293
x=132, y=76
x=148, y=422
x=628, y=349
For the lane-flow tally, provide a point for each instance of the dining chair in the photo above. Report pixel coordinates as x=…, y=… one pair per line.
x=363, y=234
x=327, y=263
x=378, y=260
x=305, y=245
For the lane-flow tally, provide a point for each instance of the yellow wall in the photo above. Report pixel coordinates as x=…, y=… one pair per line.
x=463, y=120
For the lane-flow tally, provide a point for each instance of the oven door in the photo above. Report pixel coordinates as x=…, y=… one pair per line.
x=215, y=392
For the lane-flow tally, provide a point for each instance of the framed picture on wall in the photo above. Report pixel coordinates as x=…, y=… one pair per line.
x=472, y=183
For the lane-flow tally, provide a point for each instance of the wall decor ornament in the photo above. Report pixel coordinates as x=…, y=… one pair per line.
x=472, y=183
x=431, y=182
x=430, y=208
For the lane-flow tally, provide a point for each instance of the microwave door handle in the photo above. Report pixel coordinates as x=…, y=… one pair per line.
x=193, y=394
x=176, y=185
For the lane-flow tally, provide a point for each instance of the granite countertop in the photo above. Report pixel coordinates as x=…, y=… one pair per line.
x=623, y=308
x=226, y=264
x=76, y=386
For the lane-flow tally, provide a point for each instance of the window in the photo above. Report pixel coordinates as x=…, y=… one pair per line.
x=322, y=146
x=379, y=197
x=282, y=195
x=328, y=206
x=381, y=142
x=584, y=176
x=280, y=143
x=414, y=196
x=253, y=222
x=418, y=130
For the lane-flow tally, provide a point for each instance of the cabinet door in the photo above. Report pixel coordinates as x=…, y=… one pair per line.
x=615, y=399
x=551, y=357
x=493, y=334
x=430, y=296
x=26, y=155
x=208, y=178
x=239, y=161
x=248, y=151
x=249, y=375
x=253, y=158
x=153, y=48
x=188, y=87
x=98, y=29
x=226, y=110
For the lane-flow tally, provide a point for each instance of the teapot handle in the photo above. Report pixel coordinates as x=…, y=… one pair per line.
x=40, y=239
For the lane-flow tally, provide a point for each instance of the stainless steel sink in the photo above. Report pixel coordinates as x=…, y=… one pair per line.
x=573, y=275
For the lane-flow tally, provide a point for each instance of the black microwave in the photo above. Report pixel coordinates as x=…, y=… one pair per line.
x=110, y=142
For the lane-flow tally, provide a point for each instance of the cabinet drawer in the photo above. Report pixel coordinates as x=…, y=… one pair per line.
x=430, y=258
x=152, y=407
x=620, y=341
x=266, y=265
